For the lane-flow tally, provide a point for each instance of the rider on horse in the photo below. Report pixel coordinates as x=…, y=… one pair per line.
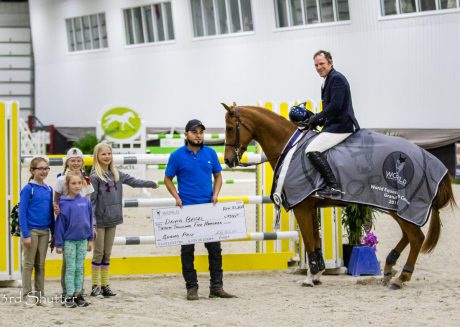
x=337, y=118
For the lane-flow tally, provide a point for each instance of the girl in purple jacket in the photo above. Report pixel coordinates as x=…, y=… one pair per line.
x=74, y=236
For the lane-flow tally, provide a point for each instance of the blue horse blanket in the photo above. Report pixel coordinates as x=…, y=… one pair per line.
x=374, y=169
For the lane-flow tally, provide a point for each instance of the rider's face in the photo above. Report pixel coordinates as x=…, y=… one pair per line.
x=322, y=65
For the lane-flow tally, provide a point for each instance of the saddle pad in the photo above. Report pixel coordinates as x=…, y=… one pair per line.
x=383, y=171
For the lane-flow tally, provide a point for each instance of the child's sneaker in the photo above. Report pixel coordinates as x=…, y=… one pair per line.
x=96, y=290
x=69, y=302
x=80, y=301
x=45, y=302
x=29, y=301
x=107, y=292
x=62, y=299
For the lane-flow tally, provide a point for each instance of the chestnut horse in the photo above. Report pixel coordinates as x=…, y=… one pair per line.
x=272, y=132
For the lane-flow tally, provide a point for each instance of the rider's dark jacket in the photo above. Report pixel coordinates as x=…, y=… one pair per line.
x=337, y=115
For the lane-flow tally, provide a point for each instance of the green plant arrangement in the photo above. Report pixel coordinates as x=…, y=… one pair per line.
x=86, y=143
x=357, y=219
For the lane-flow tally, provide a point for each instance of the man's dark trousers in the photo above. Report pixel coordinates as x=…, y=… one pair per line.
x=215, y=265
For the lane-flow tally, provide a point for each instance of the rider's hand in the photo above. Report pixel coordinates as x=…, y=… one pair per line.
x=314, y=121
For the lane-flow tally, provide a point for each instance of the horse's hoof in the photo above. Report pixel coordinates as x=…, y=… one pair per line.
x=317, y=282
x=394, y=287
x=307, y=284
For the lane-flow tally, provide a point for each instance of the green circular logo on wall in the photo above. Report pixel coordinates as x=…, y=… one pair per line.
x=121, y=123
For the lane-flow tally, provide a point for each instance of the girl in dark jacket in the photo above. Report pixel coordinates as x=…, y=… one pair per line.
x=107, y=202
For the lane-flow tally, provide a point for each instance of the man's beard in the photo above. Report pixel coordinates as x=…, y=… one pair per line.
x=192, y=143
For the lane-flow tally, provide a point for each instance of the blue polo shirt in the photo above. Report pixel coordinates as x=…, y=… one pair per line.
x=194, y=173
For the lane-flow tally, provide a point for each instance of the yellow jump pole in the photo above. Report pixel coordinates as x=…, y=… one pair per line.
x=268, y=211
x=10, y=268
x=285, y=223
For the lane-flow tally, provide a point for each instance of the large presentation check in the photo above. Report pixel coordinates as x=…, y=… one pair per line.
x=199, y=223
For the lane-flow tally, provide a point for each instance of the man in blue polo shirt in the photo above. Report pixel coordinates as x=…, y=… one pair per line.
x=194, y=164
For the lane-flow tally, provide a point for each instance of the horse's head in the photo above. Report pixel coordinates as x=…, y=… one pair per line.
x=237, y=136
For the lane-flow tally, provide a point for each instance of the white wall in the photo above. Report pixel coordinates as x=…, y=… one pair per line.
x=404, y=73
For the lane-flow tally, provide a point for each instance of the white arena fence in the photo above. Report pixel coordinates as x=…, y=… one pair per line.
x=257, y=236
x=136, y=159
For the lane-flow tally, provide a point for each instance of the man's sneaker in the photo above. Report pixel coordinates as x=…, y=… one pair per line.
x=80, y=301
x=107, y=292
x=96, y=290
x=192, y=294
x=69, y=302
x=220, y=293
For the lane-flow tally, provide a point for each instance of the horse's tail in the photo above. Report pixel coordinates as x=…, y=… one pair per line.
x=444, y=197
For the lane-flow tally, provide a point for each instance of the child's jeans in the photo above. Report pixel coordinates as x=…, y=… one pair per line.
x=74, y=254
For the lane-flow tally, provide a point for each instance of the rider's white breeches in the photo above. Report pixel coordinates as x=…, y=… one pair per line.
x=325, y=141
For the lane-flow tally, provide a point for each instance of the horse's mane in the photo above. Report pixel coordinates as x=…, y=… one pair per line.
x=266, y=114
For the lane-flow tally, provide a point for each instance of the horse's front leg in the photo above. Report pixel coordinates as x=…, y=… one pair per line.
x=304, y=216
x=318, y=252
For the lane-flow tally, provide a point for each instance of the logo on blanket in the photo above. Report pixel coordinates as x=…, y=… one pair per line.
x=398, y=170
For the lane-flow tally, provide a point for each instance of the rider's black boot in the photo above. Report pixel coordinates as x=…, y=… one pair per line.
x=322, y=166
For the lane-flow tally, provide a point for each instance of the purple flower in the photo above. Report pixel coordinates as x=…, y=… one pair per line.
x=370, y=239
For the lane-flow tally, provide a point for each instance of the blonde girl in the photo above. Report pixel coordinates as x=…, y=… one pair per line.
x=36, y=220
x=74, y=235
x=107, y=201
x=73, y=163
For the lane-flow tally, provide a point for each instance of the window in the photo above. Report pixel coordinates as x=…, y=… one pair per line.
x=448, y=4
x=304, y=12
x=215, y=17
x=148, y=24
x=397, y=7
x=86, y=32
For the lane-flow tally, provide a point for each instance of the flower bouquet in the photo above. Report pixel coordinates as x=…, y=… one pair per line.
x=370, y=239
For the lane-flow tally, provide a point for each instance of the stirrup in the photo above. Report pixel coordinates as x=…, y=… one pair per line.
x=329, y=192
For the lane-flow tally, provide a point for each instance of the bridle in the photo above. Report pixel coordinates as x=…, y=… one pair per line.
x=237, y=146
